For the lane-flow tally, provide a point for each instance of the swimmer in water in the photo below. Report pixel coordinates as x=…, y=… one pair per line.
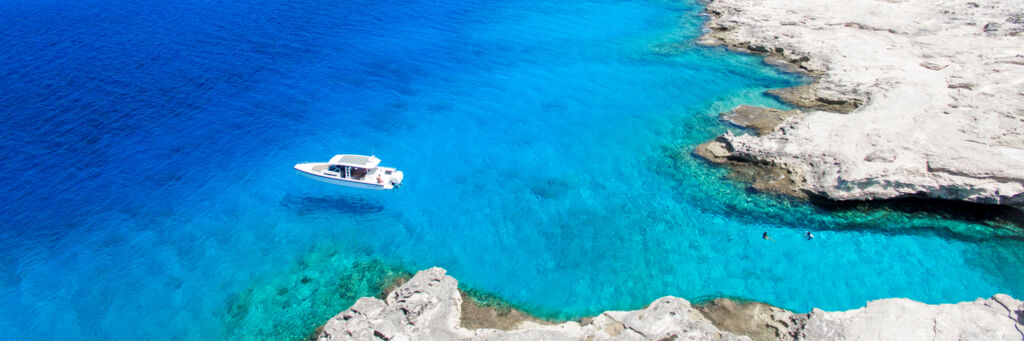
x=809, y=235
x=766, y=237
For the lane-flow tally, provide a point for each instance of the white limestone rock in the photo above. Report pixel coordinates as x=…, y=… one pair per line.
x=997, y=318
x=428, y=307
x=425, y=308
x=938, y=87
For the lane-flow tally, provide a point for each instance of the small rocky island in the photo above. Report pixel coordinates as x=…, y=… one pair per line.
x=911, y=98
x=430, y=307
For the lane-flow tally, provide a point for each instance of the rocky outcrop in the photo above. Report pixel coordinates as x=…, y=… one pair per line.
x=912, y=98
x=762, y=120
x=764, y=176
x=997, y=318
x=428, y=307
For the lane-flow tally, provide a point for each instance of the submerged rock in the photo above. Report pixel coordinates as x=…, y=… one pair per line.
x=477, y=315
x=757, y=320
x=915, y=98
x=762, y=120
x=429, y=307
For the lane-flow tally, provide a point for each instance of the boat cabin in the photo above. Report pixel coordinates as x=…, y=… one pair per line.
x=353, y=167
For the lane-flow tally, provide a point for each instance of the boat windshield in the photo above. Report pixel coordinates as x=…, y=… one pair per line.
x=358, y=173
x=349, y=172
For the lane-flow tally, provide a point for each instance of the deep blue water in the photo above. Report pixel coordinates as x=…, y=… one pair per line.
x=147, y=188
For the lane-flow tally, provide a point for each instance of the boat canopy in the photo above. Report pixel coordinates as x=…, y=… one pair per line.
x=359, y=161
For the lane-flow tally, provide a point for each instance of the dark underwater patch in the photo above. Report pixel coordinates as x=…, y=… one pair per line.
x=289, y=306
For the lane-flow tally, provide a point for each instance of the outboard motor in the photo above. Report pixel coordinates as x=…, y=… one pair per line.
x=396, y=179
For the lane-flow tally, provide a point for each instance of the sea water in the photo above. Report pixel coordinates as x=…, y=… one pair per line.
x=147, y=187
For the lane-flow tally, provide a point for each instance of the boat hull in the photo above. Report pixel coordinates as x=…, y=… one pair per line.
x=341, y=182
x=307, y=170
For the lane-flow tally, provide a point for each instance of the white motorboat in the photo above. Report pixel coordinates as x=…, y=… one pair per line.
x=354, y=171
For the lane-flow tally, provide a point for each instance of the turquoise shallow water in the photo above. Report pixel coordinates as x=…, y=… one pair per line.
x=545, y=146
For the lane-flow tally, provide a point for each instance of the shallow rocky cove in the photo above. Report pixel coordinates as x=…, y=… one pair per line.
x=910, y=98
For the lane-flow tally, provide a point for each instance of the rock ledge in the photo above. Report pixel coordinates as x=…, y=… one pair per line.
x=913, y=98
x=428, y=307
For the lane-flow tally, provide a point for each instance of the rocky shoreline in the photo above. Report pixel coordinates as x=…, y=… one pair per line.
x=911, y=98
x=430, y=307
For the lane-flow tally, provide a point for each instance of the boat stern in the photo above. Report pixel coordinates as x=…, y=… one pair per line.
x=396, y=178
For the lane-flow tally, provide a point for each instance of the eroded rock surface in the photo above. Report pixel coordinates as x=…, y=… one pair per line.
x=759, y=321
x=428, y=307
x=762, y=175
x=915, y=98
x=997, y=318
x=762, y=120
x=478, y=316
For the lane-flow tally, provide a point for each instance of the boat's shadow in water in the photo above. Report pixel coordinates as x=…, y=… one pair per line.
x=312, y=205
